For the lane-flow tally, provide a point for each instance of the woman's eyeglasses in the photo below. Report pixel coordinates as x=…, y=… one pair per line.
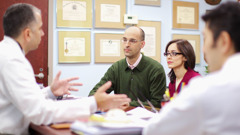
x=171, y=54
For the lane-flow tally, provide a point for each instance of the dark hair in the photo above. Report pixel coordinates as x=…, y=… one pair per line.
x=187, y=51
x=17, y=17
x=225, y=17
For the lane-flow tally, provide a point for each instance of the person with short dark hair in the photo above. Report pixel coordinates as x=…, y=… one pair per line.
x=136, y=72
x=209, y=105
x=181, y=60
x=21, y=99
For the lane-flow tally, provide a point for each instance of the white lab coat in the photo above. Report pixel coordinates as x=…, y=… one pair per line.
x=21, y=99
x=207, y=106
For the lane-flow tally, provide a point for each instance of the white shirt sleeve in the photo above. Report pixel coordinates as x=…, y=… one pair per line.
x=28, y=99
x=48, y=93
x=181, y=116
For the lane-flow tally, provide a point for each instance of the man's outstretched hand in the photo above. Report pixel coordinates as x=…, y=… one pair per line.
x=62, y=87
x=108, y=101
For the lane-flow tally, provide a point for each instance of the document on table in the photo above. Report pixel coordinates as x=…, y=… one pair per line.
x=141, y=113
x=80, y=128
x=136, y=120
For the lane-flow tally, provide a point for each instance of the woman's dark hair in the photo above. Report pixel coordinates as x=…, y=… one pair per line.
x=225, y=17
x=17, y=17
x=187, y=51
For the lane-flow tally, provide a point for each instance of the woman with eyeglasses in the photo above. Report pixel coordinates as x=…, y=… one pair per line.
x=181, y=59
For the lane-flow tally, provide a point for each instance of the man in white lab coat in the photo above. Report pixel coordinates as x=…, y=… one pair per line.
x=21, y=100
x=209, y=105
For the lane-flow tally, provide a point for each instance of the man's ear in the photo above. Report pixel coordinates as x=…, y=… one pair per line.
x=27, y=34
x=225, y=42
x=142, y=44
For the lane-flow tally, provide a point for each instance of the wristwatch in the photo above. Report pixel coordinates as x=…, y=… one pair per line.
x=213, y=2
x=59, y=97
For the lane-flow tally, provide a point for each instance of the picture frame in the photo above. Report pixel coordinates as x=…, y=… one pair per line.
x=194, y=40
x=148, y=2
x=77, y=13
x=110, y=13
x=152, y=46
x=108, y=47
x=185, y=15
x=74, y=46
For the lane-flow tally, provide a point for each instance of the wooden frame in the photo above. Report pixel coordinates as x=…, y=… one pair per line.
x=101, y=43
x=185, y=15
x=148, y=2
x=77, y=13
x=74, y=46
x=103, y=14
x=154, y=26
x=195, y=42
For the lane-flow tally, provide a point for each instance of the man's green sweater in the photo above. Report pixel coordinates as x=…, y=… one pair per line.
x=148, y=77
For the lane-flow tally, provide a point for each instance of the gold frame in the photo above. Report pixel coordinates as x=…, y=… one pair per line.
x=107, y=59
x=191, y=37
x=148, y=3
x=74, y=34
x=99, y=24
x=157, y=25
x=177, y=25
x=74, y=23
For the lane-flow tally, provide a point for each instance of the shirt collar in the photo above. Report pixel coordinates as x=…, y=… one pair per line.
x=20, y=47
x=7, y=37
x=136, y=63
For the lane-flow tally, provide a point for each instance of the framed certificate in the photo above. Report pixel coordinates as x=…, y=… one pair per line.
x=74, y=13
x=152, y=46
x=194, y=40
x=110, y=13
x=74, y=46
x=148, y=2
x=185, y=15
x=108, y=48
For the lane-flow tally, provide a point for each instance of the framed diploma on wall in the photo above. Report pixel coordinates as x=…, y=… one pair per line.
x=110, y=13
x=74, y=13
x=185, y=15
x=152, y=46
x=148, y=2
x=194, y=40
x=74, y=46
x=108, y=48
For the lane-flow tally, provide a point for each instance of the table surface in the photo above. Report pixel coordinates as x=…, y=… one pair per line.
x=48, y=130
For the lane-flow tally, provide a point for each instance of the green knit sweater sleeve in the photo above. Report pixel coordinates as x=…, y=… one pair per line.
x=157, y=87
x=108, y=76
